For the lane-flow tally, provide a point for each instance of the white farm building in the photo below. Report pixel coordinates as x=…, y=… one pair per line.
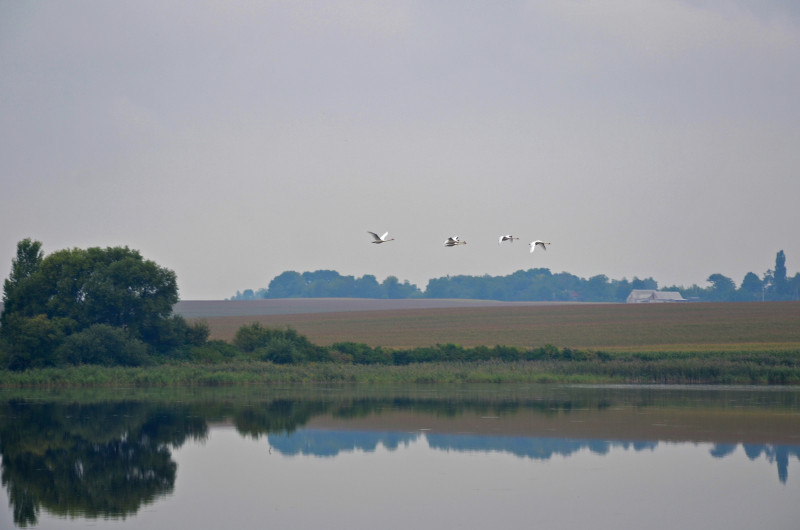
x=643, y=296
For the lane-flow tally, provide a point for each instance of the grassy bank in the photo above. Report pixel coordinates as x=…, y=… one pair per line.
x=759, y=368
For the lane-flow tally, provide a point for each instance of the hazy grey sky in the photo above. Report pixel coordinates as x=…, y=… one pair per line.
x=231, y=141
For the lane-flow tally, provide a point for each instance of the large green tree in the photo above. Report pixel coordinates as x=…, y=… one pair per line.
x=70, y=291
x=113, y=286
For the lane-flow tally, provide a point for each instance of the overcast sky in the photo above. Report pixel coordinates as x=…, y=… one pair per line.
x=231, y=141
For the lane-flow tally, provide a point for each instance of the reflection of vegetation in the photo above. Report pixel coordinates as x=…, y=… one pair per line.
x=280, y=415
x=331, y=443
x=106, y=453
x=93, y=460
x=774, y=453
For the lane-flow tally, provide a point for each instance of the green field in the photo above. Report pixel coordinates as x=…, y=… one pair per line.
x=736, y=327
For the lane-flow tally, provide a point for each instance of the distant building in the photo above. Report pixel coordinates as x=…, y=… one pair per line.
x=644, y=296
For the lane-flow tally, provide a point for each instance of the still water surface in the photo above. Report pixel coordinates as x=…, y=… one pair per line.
x=425, y=457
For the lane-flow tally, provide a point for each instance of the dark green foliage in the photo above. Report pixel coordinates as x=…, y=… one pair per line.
x=361, y=353
x=358, y=353
x=114, y=286
x=23, y=266
x=197, y=333
x=102, y=344
x=166, y=334
x=280, y=350
x=215, y=351
x=277, y=345
x=31, y=341
x=252, y=336
x=51, y=301
x=546, y=352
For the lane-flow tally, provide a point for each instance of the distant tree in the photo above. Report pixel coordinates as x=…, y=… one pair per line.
x=694, y=292
x=288, y=284
x=439, y=288
x=392, y=288
x=767, y=282
x=722, y=288
x=597, y=289
x=522, y=285
x=779, y=284
x=325, y=284
x=794, y=287
x=368, y=287
x=621, y=289
x=646, y=284
x=565, y=285
x=751, y=288
x=320, y=276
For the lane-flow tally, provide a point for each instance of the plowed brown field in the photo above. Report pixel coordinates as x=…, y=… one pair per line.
x=618, y=327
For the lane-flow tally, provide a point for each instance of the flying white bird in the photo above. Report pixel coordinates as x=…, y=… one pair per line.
x=538, y=243
x=453, y=241
x=506, y=238
x=380, y=239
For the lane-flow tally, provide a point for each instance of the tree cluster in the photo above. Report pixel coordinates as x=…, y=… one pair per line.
x=531, y=285
x=330, y=284
x=773, y=286
x=89, y=306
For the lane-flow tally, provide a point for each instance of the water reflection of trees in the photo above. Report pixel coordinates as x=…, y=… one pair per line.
x=325, y=443
x=108, y=457
x=105, y=459
x=775, y=454
x=329, y=443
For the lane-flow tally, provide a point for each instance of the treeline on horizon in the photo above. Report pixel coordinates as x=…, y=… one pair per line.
x=111, y=307
x=538, y=284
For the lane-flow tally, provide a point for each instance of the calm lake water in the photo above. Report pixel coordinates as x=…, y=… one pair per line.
x=425, y=457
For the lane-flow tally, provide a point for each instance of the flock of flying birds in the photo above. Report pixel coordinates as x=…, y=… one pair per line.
x=455, y=241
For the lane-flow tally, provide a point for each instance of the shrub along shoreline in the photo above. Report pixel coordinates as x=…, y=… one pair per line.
x=569, y=367
x=261, y=355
